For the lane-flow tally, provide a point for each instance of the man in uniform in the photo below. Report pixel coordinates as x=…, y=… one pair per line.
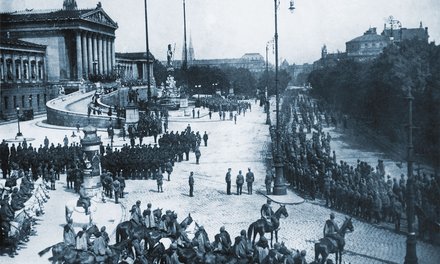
x=225, y=239
x=249, y=180
x=117, y=188
x=191, y=184
x=149, y=217
x=136, y=216
x=239, y=181
x=268, y=181
x=82, y=240
x=69, y=233
x=159, y=180
x=205, y=139
x=228, y=182
x=267, y=212
x=331, y=230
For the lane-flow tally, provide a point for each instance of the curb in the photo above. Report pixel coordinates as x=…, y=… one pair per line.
x=278, y=202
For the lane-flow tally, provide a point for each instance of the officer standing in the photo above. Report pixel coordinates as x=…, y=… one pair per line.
x=205, y=139
x=228, y=182
x=159, y=180
x=268, y=181
x=239, y=181
x=249, y=180
x=191, y=184
x=117, y=188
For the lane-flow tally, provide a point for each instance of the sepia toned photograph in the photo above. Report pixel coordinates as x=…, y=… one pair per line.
x=220, y=131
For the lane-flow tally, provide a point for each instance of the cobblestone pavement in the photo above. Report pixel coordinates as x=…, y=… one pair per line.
x=237, y=146
x=241, y=146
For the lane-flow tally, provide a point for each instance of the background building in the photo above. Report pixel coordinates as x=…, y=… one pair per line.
x=370, y=44
x=44, y=53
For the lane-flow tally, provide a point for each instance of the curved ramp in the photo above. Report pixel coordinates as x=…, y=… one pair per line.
x=70, y=110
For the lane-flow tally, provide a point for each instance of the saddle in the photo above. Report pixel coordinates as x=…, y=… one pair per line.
x=334, y=241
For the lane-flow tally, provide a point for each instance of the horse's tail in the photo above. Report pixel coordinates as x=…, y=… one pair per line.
x=250, y=229
x=44, y=251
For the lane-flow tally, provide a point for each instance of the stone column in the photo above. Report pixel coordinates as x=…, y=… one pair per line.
x=14, y=69
x=100, y=69
x=104, y=55
x=109, y=57
x=21, y=69
x=95, y=52
x=84, y=54
x=79, y=66
x=113, y=52
x=89, y=54
x=4, y=68
x=35, y=68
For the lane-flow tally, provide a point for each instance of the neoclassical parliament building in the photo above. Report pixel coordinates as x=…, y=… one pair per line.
x=42, y=50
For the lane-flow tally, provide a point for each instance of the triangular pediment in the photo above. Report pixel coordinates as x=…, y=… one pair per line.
x=99, y=16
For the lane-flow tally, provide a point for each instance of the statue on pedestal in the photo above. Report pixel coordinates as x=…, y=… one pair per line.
x=132, y=95
x=169, y=57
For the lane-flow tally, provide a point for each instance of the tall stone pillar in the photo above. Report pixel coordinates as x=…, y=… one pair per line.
x=79, y=56
x=4, y=69
x=104, y=55
x=95, y=54
x=113, y=52
x=14, y=69
x=29, y=68
x=109, y=57
x=100, y=69
x=21, y=69
x=84, y=54
x=92, y=158
x=89, y=54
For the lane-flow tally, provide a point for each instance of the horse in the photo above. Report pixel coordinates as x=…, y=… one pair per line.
x=14, y=232
x=327, y=245
x=260, y=226
x=123, y=229
x=71, y=209
x=64, y=253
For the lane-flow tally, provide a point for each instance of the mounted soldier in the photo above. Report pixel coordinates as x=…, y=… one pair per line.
x=331, y=230
x=267, y=212
x=136, y=216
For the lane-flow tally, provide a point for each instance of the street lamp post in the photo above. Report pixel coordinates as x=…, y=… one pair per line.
x=185, y=58
x=411, y=254
x=148, y=52
x=266, y=95
x=279, y=183
x=19, y=134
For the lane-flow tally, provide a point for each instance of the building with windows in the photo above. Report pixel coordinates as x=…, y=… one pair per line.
x=367, y=46
x=370, y=44
x=46, y=52
x=254, y=62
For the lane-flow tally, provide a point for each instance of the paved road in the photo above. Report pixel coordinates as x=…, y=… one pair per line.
x=241, y=146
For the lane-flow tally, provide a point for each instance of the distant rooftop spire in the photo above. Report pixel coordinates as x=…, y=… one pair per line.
x=69, y=5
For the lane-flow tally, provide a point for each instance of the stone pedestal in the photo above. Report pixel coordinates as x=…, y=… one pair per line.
x=279, y=187
x=131, y=115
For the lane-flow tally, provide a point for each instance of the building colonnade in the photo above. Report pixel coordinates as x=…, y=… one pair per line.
x=95, y=53
x=21, y=67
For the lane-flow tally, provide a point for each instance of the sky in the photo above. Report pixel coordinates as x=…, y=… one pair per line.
x=231, y=28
